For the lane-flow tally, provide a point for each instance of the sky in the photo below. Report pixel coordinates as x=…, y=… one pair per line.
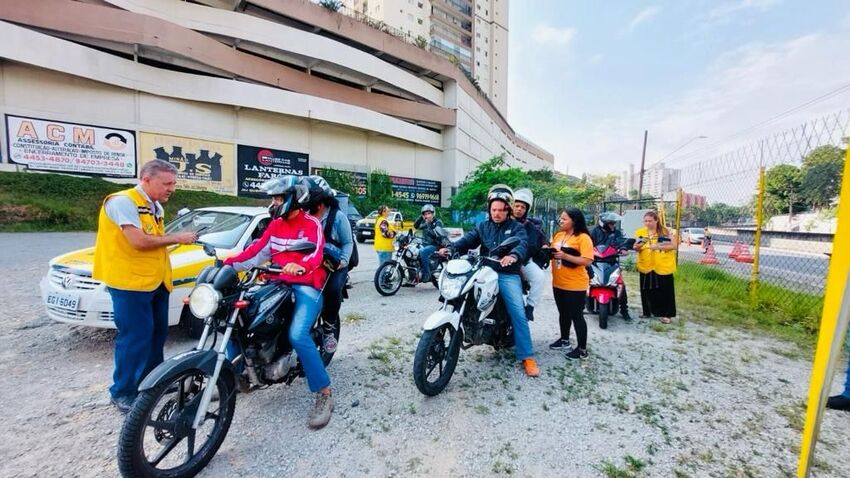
x=585, y=81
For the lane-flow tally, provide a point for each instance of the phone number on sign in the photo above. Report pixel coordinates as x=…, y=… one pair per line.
x=416, y=196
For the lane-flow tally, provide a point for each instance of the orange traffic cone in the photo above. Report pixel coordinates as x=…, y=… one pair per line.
x=736, y=249
x=744, y=255
x=710, y=257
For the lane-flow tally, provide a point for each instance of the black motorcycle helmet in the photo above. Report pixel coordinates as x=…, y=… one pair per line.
x=295, y=195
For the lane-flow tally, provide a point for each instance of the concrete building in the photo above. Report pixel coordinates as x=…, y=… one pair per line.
x=472, y=32
x=657, y=180
x=410, y=17
x=491, y=50
x=284, y=75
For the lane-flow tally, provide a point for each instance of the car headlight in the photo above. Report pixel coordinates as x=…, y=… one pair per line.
x=451, y=286
x=204, y=300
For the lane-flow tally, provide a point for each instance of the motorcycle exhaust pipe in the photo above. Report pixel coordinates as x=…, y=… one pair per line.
x=280, y=367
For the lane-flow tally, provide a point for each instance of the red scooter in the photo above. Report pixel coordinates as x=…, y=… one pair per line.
x=606, y=281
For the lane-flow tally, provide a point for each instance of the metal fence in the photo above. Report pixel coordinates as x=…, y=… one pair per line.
x=757, y=222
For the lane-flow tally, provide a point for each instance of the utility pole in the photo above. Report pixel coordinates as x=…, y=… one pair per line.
x=642, y=162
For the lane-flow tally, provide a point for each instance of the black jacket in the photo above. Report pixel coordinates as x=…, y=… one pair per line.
x=536, y=240
x=429, y=237
x=604, y=237
x=489, y=235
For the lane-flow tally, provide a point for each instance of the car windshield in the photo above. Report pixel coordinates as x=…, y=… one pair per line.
x=372, y=215
x=221, y=229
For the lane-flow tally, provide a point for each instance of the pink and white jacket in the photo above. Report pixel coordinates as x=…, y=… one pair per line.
x=279, y=234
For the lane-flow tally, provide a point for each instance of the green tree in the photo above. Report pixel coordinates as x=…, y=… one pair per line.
x=783, y=190
x=472, y=192
x=821, y=175
x=342, y=181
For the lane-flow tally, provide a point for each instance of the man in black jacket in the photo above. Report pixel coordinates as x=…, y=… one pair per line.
x=427, y=223
x=606, y=234
x=523, y=201
x=488, y=235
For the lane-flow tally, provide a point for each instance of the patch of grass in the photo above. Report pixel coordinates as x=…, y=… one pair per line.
x=631, y=468
x=385, y=353
x=352, y=318
x=659, y=327
x=56, y=202
x=795, y=413
x=720, y=298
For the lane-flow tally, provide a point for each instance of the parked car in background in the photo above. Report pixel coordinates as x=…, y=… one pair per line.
x=692, y=235
x=351, y=212
x=365, y=228
x=70, y=295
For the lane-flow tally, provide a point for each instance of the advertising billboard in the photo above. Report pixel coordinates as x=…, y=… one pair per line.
x=48, y=145
x=202, y=165
x=255, y=165
x=412, y=190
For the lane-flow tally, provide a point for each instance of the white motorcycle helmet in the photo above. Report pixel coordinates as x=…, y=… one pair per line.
x=525, y=195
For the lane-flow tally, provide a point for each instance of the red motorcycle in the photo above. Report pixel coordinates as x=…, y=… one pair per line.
x=606, y=281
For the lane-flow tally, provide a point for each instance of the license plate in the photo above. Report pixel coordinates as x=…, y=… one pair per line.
x=367, y=233
x=63, y=301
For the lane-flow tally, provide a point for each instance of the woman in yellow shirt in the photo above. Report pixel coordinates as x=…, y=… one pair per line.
x=656, y=263
x=570, y=280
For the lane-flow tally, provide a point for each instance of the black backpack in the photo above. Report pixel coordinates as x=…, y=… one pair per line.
x=354, y=260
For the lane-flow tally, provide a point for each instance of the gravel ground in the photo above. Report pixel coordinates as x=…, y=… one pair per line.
x=652, y=400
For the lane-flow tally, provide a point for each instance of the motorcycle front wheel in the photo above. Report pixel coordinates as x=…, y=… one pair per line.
x=437, y=351
x=603, y=315
x=157, y=439
x=388, y=278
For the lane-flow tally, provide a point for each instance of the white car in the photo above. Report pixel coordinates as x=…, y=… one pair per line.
x=70, y=295
x=693, y=235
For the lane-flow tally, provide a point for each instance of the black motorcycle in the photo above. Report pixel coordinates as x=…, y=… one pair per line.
x=186, y=404
x=404, y=268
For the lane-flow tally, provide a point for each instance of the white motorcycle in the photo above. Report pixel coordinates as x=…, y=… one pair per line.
x=472, y=314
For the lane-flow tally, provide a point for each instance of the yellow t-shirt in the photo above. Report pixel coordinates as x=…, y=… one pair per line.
x=662, y=262
x=571, y=278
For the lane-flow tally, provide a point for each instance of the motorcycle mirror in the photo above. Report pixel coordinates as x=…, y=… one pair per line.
x=508, y=243
x=209, y=249
x=304, y=246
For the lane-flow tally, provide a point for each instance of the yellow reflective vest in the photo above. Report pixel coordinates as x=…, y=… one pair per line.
x=383, y=244
x=120, y=265
x=662, y=262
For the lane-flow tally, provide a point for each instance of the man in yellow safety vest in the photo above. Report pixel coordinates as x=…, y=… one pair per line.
x=131, y=258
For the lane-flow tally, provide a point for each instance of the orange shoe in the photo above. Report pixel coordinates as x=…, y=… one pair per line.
x=531, y=368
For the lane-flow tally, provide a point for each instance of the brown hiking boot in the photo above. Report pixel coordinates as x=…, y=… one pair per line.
x=531, y=368
x=320, y=415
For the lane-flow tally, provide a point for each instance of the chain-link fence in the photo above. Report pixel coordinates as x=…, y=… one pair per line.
x=756, y=223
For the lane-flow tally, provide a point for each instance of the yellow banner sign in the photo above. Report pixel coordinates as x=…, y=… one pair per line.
x=201, y=165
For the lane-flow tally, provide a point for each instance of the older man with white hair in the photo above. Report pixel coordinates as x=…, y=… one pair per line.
x=131, y=258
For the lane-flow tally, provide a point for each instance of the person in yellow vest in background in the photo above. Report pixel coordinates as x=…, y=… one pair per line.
x=384, y=235
x=656, y=263
x=131, y=258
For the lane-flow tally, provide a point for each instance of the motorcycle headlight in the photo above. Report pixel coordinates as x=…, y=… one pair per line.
x=204, y=300
x=451, y=286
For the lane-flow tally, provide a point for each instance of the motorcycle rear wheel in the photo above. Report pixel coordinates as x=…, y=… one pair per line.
x=163, y=416
x=388, y=278
x=438, y=350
